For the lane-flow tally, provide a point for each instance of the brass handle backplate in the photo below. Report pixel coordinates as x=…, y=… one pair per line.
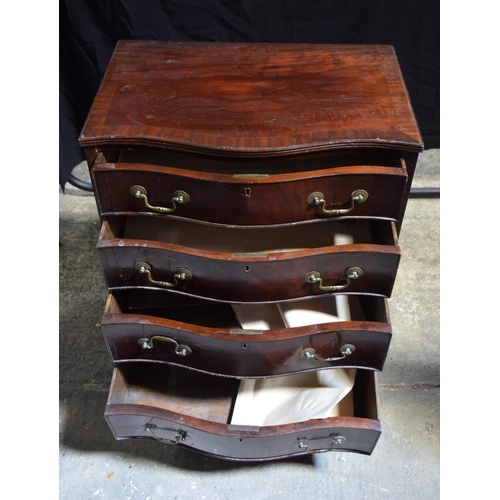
x=179, y=438
x=180, y=197
x=353, y=273
x=181, y=274
x=180, y=349
x=304, y=444
x=317, y=198
x=310, y=353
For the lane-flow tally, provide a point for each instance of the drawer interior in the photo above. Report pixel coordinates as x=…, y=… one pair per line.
x=226, y=316
x=208, y=397
x=296, y=163
x=294, y=398
x=249, y=241
x=173, y=307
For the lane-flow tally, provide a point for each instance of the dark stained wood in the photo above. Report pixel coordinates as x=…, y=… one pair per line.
x=230, y=351
x=242, y=99
x=138, y=398
x=249, y=131
x=410, y=162
x=197, y=161
x=250, y=199
x=251, y=277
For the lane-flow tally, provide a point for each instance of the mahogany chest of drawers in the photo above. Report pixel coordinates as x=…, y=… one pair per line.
x=251, y=197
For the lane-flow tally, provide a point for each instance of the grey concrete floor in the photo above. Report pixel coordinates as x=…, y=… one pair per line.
x=404, y=466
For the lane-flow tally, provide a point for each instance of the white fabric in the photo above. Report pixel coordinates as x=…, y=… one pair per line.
x=292, y=398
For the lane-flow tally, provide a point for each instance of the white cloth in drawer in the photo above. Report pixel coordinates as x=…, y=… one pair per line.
x=315, y=311
x=293, y=398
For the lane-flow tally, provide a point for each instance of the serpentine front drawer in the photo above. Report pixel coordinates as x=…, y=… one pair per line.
x=206, y=336
x=236, y=175
x=251, y=264
x=274, y=193
x=193, y=411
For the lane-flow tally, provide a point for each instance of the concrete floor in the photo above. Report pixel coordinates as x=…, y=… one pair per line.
x=404, y=466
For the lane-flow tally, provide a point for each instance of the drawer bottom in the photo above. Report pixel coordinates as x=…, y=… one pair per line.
x=194, y=411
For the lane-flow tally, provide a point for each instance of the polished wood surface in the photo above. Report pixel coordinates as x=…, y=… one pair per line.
x=250, y=199
x=240, y=99
x=248, y=131
x=197, y=408
x=224, y=348
x=269, y=276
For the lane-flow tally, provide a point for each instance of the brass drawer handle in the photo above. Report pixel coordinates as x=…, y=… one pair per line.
x=353, y=273
x=181, y=274
x=310, y=353
x=317, y=198
x=180, y=349
x=179, y=197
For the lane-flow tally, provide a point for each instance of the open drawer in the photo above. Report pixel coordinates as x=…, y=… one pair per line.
x=245, y=193
x=194, y=411
x=249, y=265
x=206, y=336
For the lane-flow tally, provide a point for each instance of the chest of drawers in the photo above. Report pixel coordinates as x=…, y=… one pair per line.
x=251, y=197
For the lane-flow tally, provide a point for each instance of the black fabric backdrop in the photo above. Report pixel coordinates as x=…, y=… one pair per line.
x=89, y=30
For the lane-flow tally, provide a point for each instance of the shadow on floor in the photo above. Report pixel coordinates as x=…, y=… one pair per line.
x=86, y=429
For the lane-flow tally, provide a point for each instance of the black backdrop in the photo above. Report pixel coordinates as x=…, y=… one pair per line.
x=89, y=30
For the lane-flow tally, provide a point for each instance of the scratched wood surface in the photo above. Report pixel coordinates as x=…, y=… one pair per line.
x=252, y=99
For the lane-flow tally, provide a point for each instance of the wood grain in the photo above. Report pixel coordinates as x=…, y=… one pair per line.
x=133, y=408
x=230, y=351
x=239, y=99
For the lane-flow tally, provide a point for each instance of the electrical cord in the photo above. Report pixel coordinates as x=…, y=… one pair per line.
x=78, y=183
x=425, y=192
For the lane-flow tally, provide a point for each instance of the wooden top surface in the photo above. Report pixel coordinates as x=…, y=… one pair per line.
x=252, y=99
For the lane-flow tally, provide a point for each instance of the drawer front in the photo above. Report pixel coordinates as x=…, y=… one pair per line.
x=250, y=199
x=192, y=410
x=239, y=353
x=269, y=278
x=237, y=443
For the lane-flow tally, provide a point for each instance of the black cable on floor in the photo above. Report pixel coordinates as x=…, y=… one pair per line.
x=425, y=193
x=85, y=186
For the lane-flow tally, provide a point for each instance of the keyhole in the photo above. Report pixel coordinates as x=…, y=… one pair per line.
x=248, y=191
x=247, y=269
